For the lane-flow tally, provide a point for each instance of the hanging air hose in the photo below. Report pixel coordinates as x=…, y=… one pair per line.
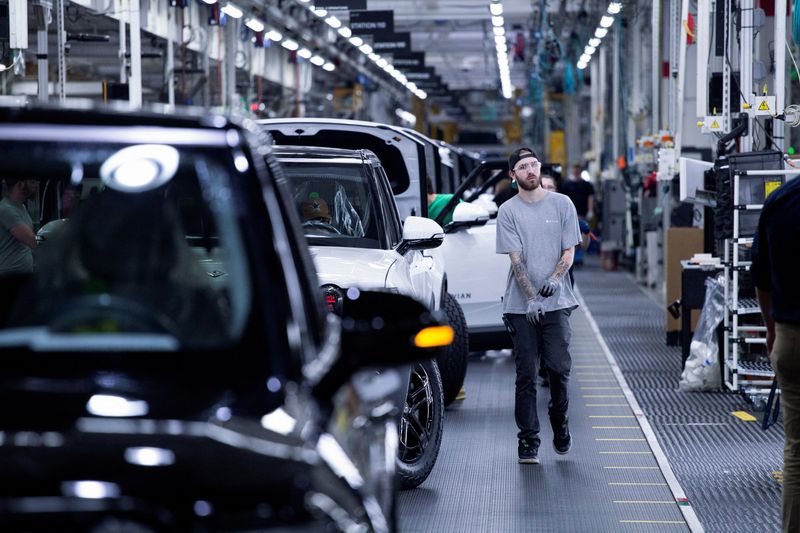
x=796, y=21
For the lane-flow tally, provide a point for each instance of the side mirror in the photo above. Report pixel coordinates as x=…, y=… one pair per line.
x=382, y=329
x=420, y=233
x=466, y=215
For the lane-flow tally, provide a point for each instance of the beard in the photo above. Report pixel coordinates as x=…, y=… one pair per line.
x=528, y=185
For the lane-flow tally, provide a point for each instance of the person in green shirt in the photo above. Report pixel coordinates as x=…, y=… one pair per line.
x=437, y=202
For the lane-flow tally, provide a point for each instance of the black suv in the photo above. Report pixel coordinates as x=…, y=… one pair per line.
x=168, y=363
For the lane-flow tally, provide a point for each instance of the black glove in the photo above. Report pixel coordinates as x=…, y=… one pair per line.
x=535, y=312
x=549, y=288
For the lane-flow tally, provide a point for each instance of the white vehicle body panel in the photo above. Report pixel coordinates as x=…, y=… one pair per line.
x=376, y=269
x=408, y=202
x=477, y=275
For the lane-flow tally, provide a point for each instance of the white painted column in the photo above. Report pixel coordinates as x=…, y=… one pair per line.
x=135, y=82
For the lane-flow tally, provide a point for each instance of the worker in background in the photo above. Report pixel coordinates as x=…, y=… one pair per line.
x=17, y=240
x=437, y=202
x=778, y=290
x=539, y=231
x=581, y=192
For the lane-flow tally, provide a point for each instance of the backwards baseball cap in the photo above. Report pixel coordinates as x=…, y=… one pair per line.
x=519, y=154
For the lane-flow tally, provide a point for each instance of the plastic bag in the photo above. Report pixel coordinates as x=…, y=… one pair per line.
x=701, y=372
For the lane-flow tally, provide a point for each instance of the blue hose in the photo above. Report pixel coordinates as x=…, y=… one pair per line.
x=796, y=21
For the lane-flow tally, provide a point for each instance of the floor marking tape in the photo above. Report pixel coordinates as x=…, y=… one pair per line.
x=666, y=470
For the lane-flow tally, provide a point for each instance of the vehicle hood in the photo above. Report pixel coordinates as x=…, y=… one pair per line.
x=349, y=267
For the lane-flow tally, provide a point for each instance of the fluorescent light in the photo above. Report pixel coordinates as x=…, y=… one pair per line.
x=318, y=61
x=606, y=21
x=333, y=22
x=412, y=87
x=498, y=21
x=422, y=95
x=496, y=9
x=321, y=13
x=273, y=35
x=374, y=57
x=499, y=30
x=406, y=116
x=614, y=7
x=108, y=405
x=502, y=47
x=210, y=2
x=589, y=50
x=389, y=68
x=382, y=63
x=586, y=58
x=90, y=490
x=356, y=41
x=600, y=33
x=365, y=48
x=329, y=67
x=232, y=11
x=594, y=41
x=499, y=39
x=254, y=24
x=305, y=53
x=290, y=44
x=345, y=32
x=148, y=456
x=581, y=66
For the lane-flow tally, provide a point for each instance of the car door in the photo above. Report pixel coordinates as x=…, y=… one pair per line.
x=419, y=267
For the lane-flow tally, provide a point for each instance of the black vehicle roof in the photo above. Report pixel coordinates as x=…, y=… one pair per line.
x=90, y=115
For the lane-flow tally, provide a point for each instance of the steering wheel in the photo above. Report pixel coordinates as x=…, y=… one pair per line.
x=97, y=312
x=318, y=224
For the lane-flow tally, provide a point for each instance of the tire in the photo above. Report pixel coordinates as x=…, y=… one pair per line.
x=453, y=359
x=421, y=425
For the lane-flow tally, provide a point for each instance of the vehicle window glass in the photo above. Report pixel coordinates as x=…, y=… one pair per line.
x=336, y=203
x=126, y=246
x=394, y=226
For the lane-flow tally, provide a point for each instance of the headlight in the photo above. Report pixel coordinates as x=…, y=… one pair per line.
x=333, y=298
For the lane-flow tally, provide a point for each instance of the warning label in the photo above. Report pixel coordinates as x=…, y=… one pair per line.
x=764, y=106
x=714, y=125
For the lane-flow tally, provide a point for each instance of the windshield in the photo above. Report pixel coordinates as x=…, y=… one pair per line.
x=337, y=202
x=134, y=241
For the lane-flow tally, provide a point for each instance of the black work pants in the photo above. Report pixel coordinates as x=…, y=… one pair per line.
x=550, y=338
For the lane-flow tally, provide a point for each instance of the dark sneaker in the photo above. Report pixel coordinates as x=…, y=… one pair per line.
x=562, y=440
x=527, y=453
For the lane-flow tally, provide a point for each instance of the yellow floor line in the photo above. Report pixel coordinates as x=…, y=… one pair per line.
x=631, y=467
x=619, y=439
x=634, y=484
x=616, y=427
x=626, y=453
x=744, y=415
x=611, y=416
x=645, y=501
x=681, y=522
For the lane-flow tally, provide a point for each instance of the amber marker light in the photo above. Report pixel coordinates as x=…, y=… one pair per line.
x=434, y=336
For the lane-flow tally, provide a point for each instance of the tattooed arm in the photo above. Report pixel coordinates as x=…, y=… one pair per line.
x=521, y=275
x=562, y=267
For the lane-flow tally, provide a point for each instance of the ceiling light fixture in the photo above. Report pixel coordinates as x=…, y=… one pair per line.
x=614, y=8
x=606, y=21
x=496, y=9
x=356, y=41
x=600, y=33
x=329, y=67
x=273, y=35
x=290, y=44
x=254, y=24
x=365, y=48
x=232, y=11
x=333, y=22
x=317, y=60
x=305, y=53
x=594, y=41
x=345, y=32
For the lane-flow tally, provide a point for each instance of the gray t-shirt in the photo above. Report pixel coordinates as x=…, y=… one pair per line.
x=541, y=231
x=14, y=256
